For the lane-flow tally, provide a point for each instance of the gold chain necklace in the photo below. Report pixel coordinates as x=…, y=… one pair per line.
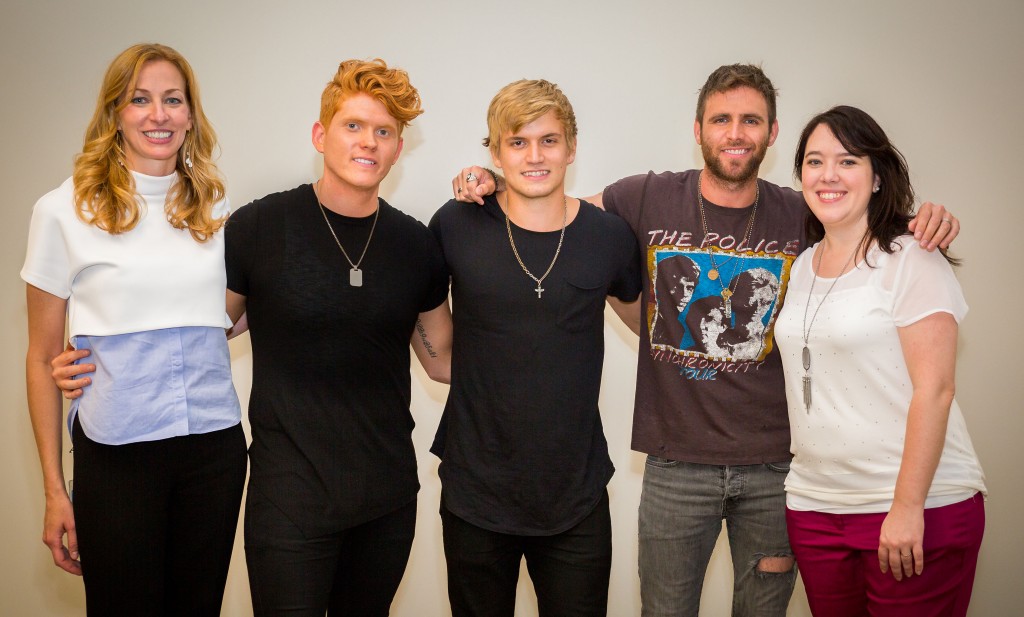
x=561, y=238
x=714, y=273
x=355, y=275
x=806, y=352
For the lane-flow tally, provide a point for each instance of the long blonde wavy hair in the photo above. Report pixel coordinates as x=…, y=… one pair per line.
x=105, y=194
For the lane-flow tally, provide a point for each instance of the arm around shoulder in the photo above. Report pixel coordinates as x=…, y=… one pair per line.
x=474, y=183
x=934, y=226
x=235, y=303
x=597, y=200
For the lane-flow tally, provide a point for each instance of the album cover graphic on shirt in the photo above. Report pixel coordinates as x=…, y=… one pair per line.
x=714, y=304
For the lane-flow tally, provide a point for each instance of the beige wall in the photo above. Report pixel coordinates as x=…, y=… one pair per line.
x=942, y=77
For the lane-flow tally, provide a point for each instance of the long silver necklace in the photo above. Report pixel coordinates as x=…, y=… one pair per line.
x=715, y=273
x=561, y=238
x=806, y=353
x=355, y=275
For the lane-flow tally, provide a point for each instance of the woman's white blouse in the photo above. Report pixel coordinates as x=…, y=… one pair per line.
x=149, y=303
x=848, y=447
x=149, y=278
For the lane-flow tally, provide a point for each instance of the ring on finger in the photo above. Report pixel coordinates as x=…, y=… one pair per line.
x=460, y=190
x=471, y=177
x=905, y=555
x=946, y=219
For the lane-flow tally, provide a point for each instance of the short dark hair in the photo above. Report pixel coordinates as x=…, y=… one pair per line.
x=732, y=76
x=892, y=207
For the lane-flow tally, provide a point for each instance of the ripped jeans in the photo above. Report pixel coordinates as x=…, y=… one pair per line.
x=681, y=512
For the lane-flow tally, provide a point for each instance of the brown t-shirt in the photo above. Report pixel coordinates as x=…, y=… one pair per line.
x=709, y=379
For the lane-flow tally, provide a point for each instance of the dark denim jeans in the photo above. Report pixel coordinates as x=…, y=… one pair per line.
x=681, y=512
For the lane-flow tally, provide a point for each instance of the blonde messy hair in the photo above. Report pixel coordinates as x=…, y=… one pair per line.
x=373, y=77
x=105, y=194
x=520, y=103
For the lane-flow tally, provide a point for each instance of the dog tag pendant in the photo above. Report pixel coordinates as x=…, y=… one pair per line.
x=355, y=277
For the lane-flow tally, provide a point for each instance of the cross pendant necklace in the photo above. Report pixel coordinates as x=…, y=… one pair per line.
x=515, y=251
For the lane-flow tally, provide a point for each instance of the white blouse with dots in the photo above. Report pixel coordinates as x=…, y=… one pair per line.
x=847, y=448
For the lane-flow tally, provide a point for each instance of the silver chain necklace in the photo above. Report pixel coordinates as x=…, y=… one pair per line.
x=355, y=275
x=561, y=238
x=806, y=353
x=714, y=274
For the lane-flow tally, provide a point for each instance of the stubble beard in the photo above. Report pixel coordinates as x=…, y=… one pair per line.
x=734, y=179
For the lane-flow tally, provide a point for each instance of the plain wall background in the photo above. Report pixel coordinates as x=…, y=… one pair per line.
x=943, y=78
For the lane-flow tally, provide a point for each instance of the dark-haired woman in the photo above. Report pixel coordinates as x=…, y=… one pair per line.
x=885, y=495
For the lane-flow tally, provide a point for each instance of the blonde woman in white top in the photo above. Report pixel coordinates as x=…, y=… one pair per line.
x=885, y=497
x=130, y=252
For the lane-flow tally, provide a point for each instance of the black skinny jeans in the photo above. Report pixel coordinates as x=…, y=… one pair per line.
x=156, y=521
x=355, y=571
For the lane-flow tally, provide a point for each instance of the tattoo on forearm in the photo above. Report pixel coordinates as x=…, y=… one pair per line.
x=423, y=339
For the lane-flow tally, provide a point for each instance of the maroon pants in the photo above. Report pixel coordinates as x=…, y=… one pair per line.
x=838, y=559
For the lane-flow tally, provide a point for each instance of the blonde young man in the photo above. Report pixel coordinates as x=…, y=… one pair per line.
x=524, y=461
x=333, y=281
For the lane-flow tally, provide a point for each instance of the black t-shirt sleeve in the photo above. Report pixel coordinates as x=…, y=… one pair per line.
x=240, y=247
x=435, y=227
x=438, y=271
x=628, y=284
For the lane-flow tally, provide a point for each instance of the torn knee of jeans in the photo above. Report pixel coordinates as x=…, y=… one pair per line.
x=767, y=565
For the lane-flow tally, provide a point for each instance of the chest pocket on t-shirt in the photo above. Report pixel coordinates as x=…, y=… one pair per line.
x=584, y=303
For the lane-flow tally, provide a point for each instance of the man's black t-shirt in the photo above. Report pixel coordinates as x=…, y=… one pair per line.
x=521, y=442
x=329, y=408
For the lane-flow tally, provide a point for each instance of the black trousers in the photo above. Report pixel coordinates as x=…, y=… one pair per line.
x=355, y=571
x=156, y=521
x=569, y=570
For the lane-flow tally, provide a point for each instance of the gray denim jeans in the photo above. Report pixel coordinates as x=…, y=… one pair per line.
x=681, y=512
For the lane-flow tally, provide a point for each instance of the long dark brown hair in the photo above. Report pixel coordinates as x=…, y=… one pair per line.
x=892, y=207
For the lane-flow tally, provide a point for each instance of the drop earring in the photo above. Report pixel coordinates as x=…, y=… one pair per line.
x=186, y=150
x=119, y=148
